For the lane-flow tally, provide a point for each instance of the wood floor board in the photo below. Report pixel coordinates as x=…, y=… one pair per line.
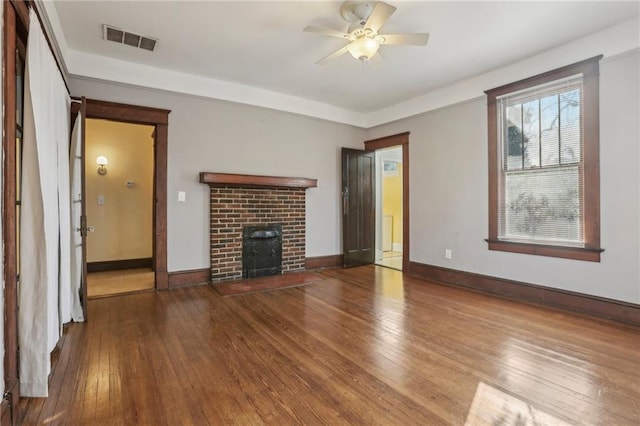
x=365, y=345
x=342, y=372
x=117, y=282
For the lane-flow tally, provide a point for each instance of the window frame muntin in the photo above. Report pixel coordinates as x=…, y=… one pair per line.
x=589, y=69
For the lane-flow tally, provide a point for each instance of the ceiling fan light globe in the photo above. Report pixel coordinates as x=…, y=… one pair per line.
x=363, y=48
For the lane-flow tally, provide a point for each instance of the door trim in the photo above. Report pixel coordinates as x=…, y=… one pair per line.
x=160, y=119
x=402, y=140
x=16, y=27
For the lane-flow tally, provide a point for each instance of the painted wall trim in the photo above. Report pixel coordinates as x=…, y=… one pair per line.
x=188, y=278
x=53, y=28
x=595, y=306
x=609, y=42
x=324, y=262
x=99, y=68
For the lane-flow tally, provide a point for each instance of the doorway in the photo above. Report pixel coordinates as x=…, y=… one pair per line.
x=158, y=119
x=393, y=150
x=360, y=220
x=119, y=203
x=389, y=194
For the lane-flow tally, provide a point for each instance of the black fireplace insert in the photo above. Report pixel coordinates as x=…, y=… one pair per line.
x=261, y=250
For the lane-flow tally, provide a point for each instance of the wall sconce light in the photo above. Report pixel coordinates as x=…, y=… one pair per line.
x=102, y=162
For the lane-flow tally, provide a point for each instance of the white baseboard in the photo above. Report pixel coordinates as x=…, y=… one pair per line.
x=397, y=247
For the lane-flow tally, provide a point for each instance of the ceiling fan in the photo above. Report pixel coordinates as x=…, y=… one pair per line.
x=366, y=18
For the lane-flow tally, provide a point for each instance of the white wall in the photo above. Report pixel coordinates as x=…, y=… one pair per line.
x=449, y=192
x=218, y=136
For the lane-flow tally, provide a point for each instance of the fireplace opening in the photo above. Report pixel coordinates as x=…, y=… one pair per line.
x=261, y=251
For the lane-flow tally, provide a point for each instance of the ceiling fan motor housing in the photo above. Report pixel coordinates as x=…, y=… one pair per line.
x=356, y=12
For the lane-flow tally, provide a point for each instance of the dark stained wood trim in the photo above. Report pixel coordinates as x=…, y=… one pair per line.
x=324, y=262
x=160, y=208
x=600, y=307
x=589, y=68
x=126, y=113
x=591, y=123
x=117, y=265
x=21, y=11
x=159, y=118
x=12, y=32
x=252, y=181
x=494, y=185
x=406, y=223
x=188, y=278
x=401, y=139
x=576, y=253
x=387, y=141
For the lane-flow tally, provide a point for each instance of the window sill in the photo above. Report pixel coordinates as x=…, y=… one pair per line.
x=576, y=253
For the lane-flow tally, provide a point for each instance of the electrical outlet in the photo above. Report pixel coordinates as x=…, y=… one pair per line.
x=101, y=200
x=447, y=253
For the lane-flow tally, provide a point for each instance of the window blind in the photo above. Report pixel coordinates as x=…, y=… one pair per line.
x=540, y=131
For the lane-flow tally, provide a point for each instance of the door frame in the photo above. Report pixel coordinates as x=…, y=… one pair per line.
x=159, y=118
x=402, y=140
x=16, y=27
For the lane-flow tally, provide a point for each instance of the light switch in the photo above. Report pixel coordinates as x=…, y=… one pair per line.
x=182, y=196
x=101, y=200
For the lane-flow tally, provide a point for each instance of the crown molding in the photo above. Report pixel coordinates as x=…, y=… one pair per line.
x=610, y=42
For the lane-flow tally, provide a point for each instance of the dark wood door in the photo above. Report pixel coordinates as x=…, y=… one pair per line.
x=358, y=206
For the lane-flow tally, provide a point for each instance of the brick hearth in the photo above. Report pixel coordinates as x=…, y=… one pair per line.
x=238, y=204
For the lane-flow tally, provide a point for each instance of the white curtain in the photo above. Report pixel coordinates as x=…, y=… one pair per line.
x=75, y=160
x=45, y=214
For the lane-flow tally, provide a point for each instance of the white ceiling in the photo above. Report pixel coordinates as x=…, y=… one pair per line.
x=261, y=44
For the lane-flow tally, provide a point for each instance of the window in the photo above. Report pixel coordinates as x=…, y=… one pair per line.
x=544, y=183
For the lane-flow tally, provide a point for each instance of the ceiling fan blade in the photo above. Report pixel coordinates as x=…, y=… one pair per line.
x=381, y=12
x=326, y=31
x=334, y=55
x=417, y=39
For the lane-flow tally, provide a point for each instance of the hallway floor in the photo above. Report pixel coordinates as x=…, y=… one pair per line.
x=391, y=259
x=111, y=283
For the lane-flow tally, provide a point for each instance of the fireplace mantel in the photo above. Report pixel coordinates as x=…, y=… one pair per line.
x=254, y=181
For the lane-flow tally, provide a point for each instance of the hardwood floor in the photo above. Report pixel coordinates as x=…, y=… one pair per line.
x=366, y=345
x=111, y=283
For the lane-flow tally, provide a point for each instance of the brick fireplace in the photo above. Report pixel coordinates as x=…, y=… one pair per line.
x=239, y=201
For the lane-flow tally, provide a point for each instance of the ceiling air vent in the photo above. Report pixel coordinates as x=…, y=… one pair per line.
x=128, y=38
